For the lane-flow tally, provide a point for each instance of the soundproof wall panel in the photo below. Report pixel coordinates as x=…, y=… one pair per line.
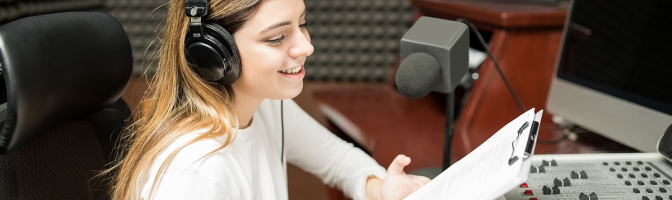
x=11, y=10
x=355, y=40
x=142, y=20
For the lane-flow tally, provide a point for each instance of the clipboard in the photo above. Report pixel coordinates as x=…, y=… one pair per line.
x=495, y=167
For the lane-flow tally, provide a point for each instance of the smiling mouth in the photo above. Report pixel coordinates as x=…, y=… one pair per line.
x=294, y=70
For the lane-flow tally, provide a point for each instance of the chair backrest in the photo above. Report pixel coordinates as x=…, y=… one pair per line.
x=63, y=74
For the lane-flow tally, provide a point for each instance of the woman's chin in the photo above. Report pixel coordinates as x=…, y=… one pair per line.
x=290, y=92
x=296, y=91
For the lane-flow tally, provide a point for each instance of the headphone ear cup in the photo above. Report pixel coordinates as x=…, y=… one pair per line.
x=230, y=50
x=214, y=55
x=206, y=60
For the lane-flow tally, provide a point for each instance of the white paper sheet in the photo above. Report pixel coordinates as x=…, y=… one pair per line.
x=485, y=173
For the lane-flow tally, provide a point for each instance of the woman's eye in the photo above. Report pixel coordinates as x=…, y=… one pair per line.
x=276, y=41
x=281, y=38
x=304, y=25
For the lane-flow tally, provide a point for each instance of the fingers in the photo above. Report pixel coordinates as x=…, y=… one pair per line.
x=398, y=164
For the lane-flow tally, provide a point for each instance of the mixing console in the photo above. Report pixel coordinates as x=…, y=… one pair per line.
x=636, y=176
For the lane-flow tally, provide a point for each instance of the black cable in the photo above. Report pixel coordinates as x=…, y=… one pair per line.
x=553, y=141
x=564, y=136
x=282, y=126
x=487, y=49
x=520, y=104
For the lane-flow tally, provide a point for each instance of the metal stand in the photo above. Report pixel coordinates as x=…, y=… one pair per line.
x=431, y=172
x=448, y=130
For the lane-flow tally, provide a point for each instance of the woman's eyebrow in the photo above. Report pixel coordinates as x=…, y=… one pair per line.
x=281, y=24
x=302, y=14
x=276, y=26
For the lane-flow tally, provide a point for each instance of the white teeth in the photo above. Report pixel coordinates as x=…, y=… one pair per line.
x=291, y=71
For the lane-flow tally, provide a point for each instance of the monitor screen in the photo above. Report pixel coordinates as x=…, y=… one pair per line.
x=622, y=48
x=616, y=59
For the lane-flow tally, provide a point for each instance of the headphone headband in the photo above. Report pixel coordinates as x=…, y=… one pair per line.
x=196, y=8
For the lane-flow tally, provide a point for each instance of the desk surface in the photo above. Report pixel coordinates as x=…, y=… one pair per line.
x=386, y=124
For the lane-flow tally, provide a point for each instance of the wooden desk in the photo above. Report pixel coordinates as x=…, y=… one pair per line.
x=525, y=39
x=385, y=123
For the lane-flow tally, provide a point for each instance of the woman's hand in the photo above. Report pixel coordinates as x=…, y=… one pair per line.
x=398, y=184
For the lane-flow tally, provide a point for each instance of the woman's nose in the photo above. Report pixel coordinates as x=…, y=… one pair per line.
x=303, y=46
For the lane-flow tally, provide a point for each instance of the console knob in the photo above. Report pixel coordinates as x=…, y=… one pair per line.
x=583, y=196
x=534, y=170
x=539, y=169
x=546, y=190
x=566, y=182
x=544, y=163
x=593, y=196
x=583, y=175
x=553, y=163
x=574, y=175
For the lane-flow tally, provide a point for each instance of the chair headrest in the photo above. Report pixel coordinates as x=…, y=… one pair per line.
x=59, y=67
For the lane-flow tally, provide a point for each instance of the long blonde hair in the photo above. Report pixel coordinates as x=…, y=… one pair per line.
x=178, y=101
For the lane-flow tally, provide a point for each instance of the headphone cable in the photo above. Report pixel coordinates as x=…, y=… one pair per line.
x=282, y=126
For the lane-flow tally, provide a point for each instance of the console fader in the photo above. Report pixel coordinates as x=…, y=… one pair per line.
x=635, y=176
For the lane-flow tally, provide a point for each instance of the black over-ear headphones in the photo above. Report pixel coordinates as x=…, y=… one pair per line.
x=210, y=49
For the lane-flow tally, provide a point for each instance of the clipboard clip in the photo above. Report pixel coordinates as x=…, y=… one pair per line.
x=513, y=159
x=527, y=155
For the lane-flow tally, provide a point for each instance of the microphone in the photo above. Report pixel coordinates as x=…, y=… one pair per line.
x=435, y=57
x=417, y=75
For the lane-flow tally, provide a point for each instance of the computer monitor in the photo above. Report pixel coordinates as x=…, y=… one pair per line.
x=614, y=70
x=526, y=1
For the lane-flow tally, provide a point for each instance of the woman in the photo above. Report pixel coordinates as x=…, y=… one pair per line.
x=199, y=140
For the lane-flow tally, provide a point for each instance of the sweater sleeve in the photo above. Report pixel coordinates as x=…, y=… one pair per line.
x=315, y=149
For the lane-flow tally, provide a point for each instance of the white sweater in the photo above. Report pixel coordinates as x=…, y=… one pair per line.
x=251, y=167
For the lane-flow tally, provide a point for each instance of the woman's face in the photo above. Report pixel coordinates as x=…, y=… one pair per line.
x=273, y=45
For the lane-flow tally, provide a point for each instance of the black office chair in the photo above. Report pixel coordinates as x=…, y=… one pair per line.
x=63, y=74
